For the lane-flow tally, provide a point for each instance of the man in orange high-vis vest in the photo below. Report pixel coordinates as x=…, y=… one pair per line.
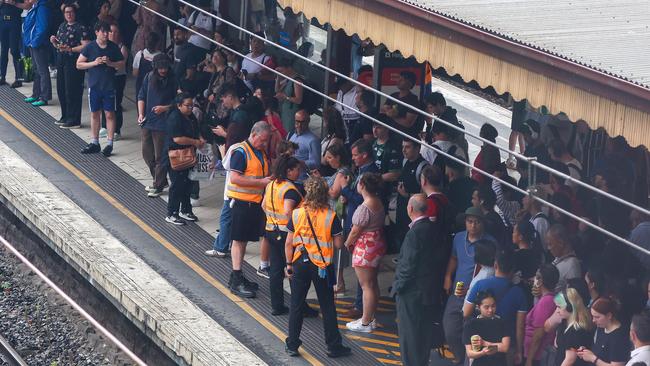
x=249, y=175
x=314, y=232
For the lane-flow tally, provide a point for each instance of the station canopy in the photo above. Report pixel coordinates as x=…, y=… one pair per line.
x=589, y=59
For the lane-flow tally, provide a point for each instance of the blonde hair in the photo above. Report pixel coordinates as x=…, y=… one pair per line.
x=579, y=317
x=317, y=193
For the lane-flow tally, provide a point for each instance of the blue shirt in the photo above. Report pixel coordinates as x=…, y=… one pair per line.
x=155, y=96
x=308, y=149
x=510, y=298
x=353, y=197
x=463, y=250
x=101, y=77
x=238, y=158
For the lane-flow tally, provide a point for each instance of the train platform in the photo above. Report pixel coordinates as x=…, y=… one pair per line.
x=110, y=191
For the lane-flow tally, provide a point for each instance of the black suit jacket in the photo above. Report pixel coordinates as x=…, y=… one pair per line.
x=421, y=265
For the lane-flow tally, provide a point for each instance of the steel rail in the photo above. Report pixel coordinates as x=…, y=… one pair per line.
x=73, y=303
x=10, y=353
x=452, y=157
x=417, y=110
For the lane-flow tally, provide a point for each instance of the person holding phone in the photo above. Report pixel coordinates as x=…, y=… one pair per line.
x=155, y=100
x=574, y=334
x=102, y=58
x=486, y=337
x=70, y=39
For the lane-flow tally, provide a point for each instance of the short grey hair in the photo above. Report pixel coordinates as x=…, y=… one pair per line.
x=419, y=203
x=260, y=127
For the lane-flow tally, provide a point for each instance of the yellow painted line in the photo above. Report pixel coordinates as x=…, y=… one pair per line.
x=398, y=354
x=338, y=310
x=390, y=362
x=341, y=302
x=345, y=319
x=385, y=334
x=376, y=350
x=387, y=302
x=371, y=340
x=154, y=234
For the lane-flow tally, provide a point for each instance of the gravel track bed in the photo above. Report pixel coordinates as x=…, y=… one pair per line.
x=42, y=327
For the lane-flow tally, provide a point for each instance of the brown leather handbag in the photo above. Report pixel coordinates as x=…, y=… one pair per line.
x=182, y=159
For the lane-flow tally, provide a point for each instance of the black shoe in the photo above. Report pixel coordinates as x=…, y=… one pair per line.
x=108, y=150
x=16, y=84
x=291, y=352
x=339, y=351
x=175, y=220
x=69, y=125
x=91, y=148
x=283, y=310
x=250, y=285
x=264, y=272
x=3, y=81
x=309, y=312
x=61, y=121
x=240, y=289
x=188, y=216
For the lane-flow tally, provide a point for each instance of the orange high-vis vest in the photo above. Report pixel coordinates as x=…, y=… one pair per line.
x=322, y=220
x=274, y=204
x=255, y=168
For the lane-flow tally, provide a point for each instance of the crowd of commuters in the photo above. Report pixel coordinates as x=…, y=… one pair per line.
x=498, y=276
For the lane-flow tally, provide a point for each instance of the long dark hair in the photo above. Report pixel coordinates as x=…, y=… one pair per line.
x=340, y=151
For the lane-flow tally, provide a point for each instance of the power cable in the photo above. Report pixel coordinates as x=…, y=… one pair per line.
x=452, y=157
x=423, y=113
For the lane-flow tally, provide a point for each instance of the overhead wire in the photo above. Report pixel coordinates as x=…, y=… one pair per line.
x=375, y=120
x=421, y=112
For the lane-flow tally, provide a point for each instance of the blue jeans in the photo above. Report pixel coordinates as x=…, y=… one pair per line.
x=222, y=241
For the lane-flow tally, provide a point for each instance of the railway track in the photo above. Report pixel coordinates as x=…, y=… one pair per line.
x=8, y=354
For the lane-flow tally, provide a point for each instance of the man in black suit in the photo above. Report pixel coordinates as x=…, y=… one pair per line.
x=418, y=284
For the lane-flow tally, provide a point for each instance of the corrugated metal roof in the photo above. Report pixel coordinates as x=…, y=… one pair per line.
x=609, y=36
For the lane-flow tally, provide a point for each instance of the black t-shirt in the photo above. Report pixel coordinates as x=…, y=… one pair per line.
x=10, y=10
x=572, y=338
x=612, y=347
x=187, y=57
x=102, y=77
x=526, y=262
x=293, y=195
x=460, y=193
x=179, y=125
x=414, y=101
x=491, y=330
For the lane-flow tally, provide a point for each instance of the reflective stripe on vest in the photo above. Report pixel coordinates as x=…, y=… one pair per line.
x=274, y=196
x=322, y=221
x=255, y=168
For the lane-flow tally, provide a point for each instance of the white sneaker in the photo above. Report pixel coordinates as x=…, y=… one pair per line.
x=195, y=202
x=103, y=133
x=149, y=188
x=357, y=326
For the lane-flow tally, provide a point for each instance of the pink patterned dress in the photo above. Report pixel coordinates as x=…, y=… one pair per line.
x=370, y=247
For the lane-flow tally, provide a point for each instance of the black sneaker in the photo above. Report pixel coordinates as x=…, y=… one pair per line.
x=240, y=289
x=264, y=272
x=16, y=84
x=108, y=150
x=339, y=351
x=281, y=311
x=291, y=352
x=188, y=216
x=3, y=81
x=175, y=220
x=68, y=125
x=250, y=285
x=91, y=148
x=61, y=121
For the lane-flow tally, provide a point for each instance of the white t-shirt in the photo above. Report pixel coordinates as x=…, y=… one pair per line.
x=204, y=22
x=143, y=53
x=348, y=99
x=575, y=171
x=251, y=67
